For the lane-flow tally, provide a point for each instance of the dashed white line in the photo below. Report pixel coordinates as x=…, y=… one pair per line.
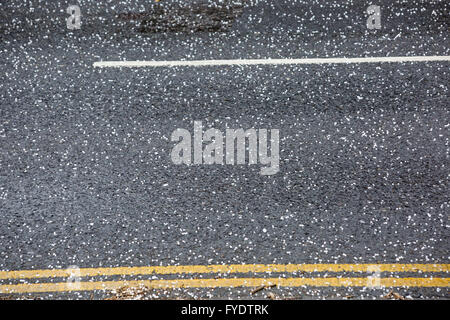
x=199, y=63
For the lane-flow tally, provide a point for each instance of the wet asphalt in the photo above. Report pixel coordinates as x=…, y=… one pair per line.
x=86, y=177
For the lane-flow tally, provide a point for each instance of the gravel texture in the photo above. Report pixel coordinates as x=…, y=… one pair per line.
x=86, y=177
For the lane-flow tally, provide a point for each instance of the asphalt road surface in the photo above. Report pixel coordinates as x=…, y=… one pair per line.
x=86, y=175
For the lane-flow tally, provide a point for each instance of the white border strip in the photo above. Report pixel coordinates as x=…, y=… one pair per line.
x=199, y=63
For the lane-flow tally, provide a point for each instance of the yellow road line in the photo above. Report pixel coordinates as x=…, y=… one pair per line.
x=233, y=268
x=214, y=283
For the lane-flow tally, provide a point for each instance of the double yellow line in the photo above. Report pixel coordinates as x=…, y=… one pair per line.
x=371, y=276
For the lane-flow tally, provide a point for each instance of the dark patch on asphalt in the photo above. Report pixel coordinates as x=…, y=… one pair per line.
x=185, y=19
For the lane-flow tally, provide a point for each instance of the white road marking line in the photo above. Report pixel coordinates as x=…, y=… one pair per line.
x=198, y=63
